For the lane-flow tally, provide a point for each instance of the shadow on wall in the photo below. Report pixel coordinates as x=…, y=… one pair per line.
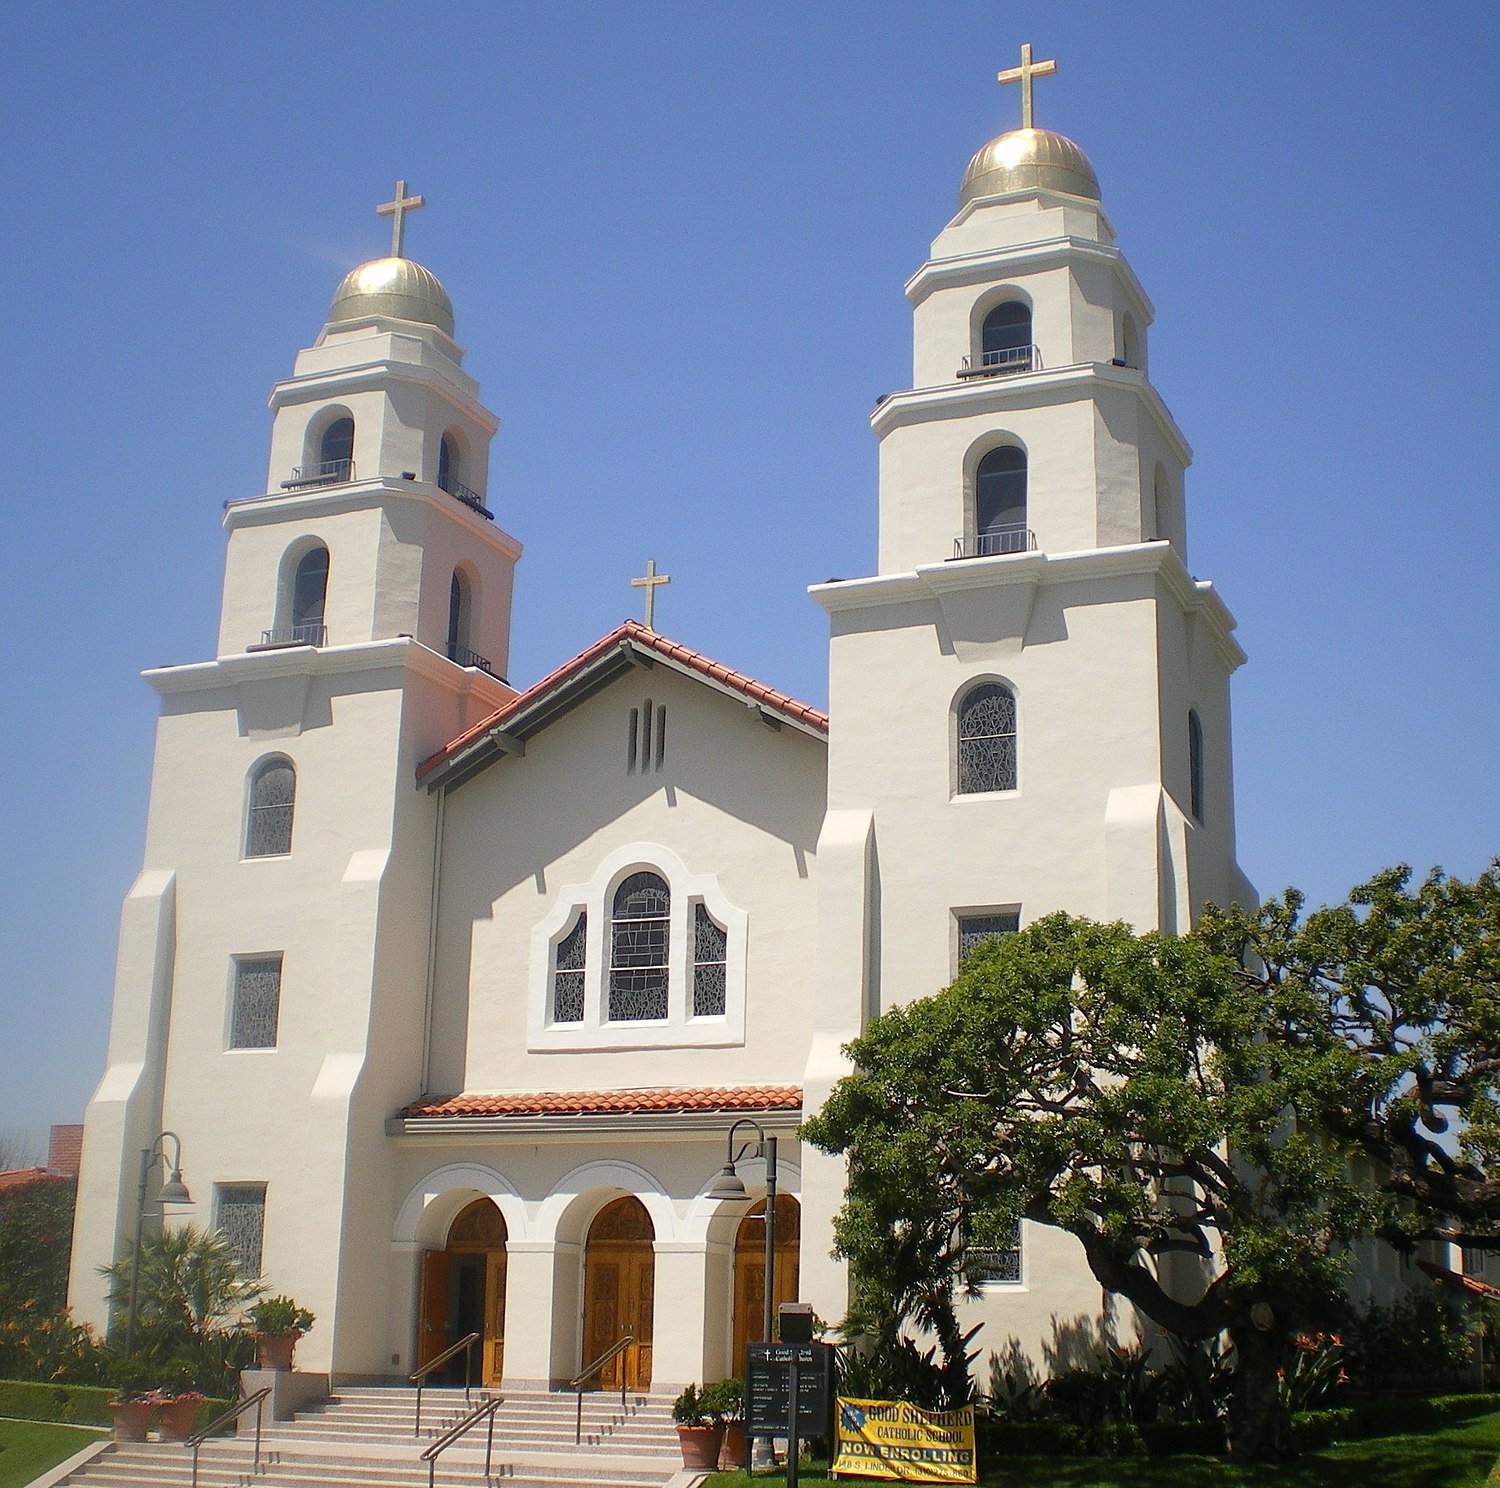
x=1075, y=1342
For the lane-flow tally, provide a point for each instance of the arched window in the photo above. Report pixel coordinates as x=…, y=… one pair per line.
x=268, y=826
x=1005, y=339
x=639, y=934
x=458, y=619
x=447, y=462
x=987, y=739
x=710, y=958
x=309, y=593
x=336, y=450
x=568, y=973
x=1195, y=765
x=1000, y=502
x=1130, y=342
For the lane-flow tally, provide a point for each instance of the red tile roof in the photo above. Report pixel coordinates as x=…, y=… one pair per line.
x=614, y=1102
x=1458, y=1281
x=20, y=1177
x=637, y=634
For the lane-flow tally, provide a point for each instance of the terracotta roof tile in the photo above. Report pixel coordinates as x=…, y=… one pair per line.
x=631, y=630
x=20, y=1177
x=614, y=1102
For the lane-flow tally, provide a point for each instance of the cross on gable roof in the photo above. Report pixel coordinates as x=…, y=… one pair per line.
x=506, y=730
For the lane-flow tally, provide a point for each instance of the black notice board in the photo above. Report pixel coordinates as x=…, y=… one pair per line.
x=767, y=1374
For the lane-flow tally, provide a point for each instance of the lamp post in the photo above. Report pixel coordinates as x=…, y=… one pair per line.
x=728, y=1186
x=174, y=1191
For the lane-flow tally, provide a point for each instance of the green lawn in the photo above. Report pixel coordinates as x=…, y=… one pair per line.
x=1458, y=1456
x=29, y=1448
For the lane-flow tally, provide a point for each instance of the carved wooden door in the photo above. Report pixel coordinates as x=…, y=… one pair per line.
x=619, y=1293
x=750, y=1271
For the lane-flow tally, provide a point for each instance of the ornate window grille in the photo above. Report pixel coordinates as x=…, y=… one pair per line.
x=257, y=1003
x=273, y=791
x=567, y=978
x=974, y=930
x=987, y=740
x=240, y=1217
x=639, y=937
x=710, y=964
x=991, y=1267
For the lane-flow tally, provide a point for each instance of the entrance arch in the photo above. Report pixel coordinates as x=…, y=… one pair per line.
x=463, y=1292
x=619, y=1292
x=750, y=1269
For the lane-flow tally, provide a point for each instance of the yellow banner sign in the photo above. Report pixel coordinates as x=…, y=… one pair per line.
x=890, y=1439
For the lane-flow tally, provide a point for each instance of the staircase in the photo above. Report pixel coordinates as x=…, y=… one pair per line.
x=362, y=1437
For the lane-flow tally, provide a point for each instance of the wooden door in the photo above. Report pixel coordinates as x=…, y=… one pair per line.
x=432, y=1316
x=463, y=1291
x=494, y=1317
x=619, y=1293
x=750, y=1270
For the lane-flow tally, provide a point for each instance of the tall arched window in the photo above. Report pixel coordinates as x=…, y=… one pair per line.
x=336, y=450
x=639, y=936
x=268, y=824
x=309, y=594
x=1005, y=338
x=1000, y=502
x=987, y=739
x=1195, y=765
x=458, y=619
x=447, y=462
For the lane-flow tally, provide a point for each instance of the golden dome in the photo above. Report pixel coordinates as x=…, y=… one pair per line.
x=396, y=287
x=1026, y=159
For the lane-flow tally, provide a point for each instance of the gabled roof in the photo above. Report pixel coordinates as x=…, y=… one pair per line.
x=506, y=730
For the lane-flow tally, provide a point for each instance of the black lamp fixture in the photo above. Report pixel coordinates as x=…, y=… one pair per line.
x=173, y=1191
x=728, y=1186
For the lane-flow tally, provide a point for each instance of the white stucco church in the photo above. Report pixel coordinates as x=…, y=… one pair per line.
x=452, y=990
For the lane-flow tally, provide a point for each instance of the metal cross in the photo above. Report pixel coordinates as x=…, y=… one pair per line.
x=397, y=210
x=1023, y=75
x=649, y=583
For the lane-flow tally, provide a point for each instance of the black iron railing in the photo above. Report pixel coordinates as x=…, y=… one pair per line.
x=1001, y=363
x=999, y=540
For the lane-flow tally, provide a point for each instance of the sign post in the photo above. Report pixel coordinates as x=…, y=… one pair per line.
x=788, y=1390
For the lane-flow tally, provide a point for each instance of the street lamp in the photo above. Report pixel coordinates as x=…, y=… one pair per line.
x=173, y=1191
x=728, y=1186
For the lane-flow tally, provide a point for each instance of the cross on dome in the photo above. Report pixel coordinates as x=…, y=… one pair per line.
x=649, y=583
x=397, y=210
x=1023, y=75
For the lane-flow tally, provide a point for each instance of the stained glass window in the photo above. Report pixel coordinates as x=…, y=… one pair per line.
x=240, y=1217
x=257, y=1003
x=1003, y=1266
x=987, y=739
x=710, y=958
x=567, y=979
x=273, y=790
x=974, y=930
x=638, y=946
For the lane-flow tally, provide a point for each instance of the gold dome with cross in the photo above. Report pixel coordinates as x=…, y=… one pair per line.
x=394, y=286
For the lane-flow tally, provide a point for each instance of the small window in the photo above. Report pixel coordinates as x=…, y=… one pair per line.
x=461, y=621
x=309, y=595
x=987, y=740
x=1475, y=1260
x=240, y=1217
x=710, y=964
x=257, y=1003
x=273, y=790
x=974, y=930
x=447, y=462
x=567, y=976
x=1195, y=765
x=336, y=450
x=995, y=1267
x=639, y=940
x=1005, y=340
x=646, y=743
x=1000, y=502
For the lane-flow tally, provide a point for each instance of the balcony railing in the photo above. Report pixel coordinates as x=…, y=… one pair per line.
x=467, y=494
x=996, y=542
x=323, y=473
x=1002, y=363
x=311, y=633
x=467, y=658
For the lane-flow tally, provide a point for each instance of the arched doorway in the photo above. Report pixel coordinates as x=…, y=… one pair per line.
x=750, y=1270
x=463, y=1292
x=619, y=1292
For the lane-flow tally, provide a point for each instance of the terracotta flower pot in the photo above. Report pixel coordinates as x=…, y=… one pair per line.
x=175, y=1419
x=700, y=1447
x=732, y=1452
x=275, y=1349
x=132, y=1418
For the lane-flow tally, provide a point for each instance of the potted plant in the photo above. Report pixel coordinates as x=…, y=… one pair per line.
x=134, y=1403
x=725, y=1403
x=177, y=1413
x=276, y=1324
x=698, y=1434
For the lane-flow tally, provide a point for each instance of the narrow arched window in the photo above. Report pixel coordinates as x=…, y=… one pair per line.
x=458, y=615
x=987, y=739
x=268, y=826
x=710, y=964
x=639, y=937
x=1005, y=338
x=568, y=973
x=336, y=450
x=1000, y=502
x=1195, y=765
x=309, y=595
x=447, y=462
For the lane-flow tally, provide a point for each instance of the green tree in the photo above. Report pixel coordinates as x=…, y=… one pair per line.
x=36, y=1235
x=1138, y=1091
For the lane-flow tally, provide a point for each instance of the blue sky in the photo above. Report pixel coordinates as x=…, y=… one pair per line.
x=675, y=236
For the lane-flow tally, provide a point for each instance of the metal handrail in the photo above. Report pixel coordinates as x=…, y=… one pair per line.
x=320, y=473
x=307, y=633
x=999, y=363
x=579, y=1380
x=997, y=542
x=441, y=1445
x=467, y=658
x=234, y=1411
x=418, y=1376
